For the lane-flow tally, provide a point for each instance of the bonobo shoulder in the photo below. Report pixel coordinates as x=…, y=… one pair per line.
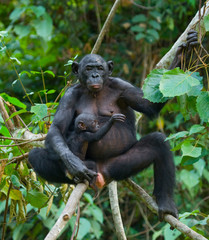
x=71, y=95
x=119, y=83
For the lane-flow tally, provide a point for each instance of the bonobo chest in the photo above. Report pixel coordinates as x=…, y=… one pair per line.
x=104, y=103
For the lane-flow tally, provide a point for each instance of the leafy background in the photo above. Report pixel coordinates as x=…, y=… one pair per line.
x=38, y=38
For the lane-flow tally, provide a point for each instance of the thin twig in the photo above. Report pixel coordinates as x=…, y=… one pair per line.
x=18, y=158
x=23, y=143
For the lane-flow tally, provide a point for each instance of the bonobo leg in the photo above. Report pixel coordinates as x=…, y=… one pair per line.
x=150, y=149
x=48, y=165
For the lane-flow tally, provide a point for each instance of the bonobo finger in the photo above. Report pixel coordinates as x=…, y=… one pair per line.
x=193, y=44
x=193, y=39
x=192, y=31
x=77, y=180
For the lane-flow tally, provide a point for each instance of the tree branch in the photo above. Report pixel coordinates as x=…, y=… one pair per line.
x=168, y=58
x=113, y=195
x=105, y=27
x=152, y=205
x=68, y=211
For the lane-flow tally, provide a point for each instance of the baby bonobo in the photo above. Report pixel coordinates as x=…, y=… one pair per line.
x=87, y=130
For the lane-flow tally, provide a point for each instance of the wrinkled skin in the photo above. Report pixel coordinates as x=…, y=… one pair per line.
x=118, y=154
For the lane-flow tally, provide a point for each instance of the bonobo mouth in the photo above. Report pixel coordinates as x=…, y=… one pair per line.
x=95, y=87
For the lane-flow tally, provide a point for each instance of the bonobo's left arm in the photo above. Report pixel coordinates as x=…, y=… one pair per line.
x=133, y=97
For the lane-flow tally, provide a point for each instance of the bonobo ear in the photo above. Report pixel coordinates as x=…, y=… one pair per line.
x=75, y=68
x=110, y=66
x=81, y=126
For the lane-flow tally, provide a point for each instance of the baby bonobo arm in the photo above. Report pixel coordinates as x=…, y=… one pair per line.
x=90, y=137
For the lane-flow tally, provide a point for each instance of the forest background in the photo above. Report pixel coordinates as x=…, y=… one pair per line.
x=39, y=40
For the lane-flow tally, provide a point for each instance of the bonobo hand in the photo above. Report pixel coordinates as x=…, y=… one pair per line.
x=118, y=117
x=191, y=42
x=77, y=169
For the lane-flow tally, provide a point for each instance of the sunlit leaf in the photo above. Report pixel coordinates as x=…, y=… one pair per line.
x=44, y=27
x=189, y=178
x=84, y=228
x=36, y=199
x=176, y=82
x=189, y=150
x=13, y=100
x=151, y=86
x=203, y=106
x=22, y=30
x=16, y=13
x=40, y=111
x=196, y=129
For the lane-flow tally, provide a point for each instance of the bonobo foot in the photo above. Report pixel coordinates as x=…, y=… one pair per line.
x=166, y=205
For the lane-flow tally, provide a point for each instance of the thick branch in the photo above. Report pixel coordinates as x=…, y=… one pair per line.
x=68, y=211
x=168, y=58
x=113, y=195
x=105, y=27
x=5, y=116
x=151, y=204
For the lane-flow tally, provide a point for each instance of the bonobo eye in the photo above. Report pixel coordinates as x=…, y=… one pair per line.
x=88, y=68
x=100, y=67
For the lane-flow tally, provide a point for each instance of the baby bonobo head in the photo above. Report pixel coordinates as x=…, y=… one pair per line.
x=86, y=122
x=93, y=71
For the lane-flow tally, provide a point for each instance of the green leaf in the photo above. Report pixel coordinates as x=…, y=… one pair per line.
x=151, y=86
x=36, y=199
x=97, y=213
x=15, y=181
x=176, y=82
x=13, y=100
x=155, y=24
x=153, y=33
x=196, y=90
x=38, y=10
x=40, y=111
x=25, y=72
x=139, y=18
x=196, y=129
x=137, y=28
x=16, y=13
x=96, y=229
x=51, y=91
x=88, y=198
x=140, y=36
x=44, y=27
x=84, y=228
x=22, y=30
x=206, y=23
x=189, y=150
x=177, y=135
x=203, y=106
x=50, y=72
x=189, y=178
x=200, y=166
x=17, y=113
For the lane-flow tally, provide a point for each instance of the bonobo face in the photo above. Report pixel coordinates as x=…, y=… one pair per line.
x=93, y=71
x=86, y=122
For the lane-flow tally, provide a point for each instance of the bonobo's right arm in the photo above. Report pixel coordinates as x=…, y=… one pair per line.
x=54, y=140
x=90, y=137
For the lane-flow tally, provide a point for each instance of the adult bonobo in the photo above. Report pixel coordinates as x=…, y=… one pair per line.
x=118, y=155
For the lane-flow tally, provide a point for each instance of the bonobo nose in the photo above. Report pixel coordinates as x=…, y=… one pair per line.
x=95, y=75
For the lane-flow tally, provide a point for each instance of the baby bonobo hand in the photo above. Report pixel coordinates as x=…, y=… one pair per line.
x=118, y=117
